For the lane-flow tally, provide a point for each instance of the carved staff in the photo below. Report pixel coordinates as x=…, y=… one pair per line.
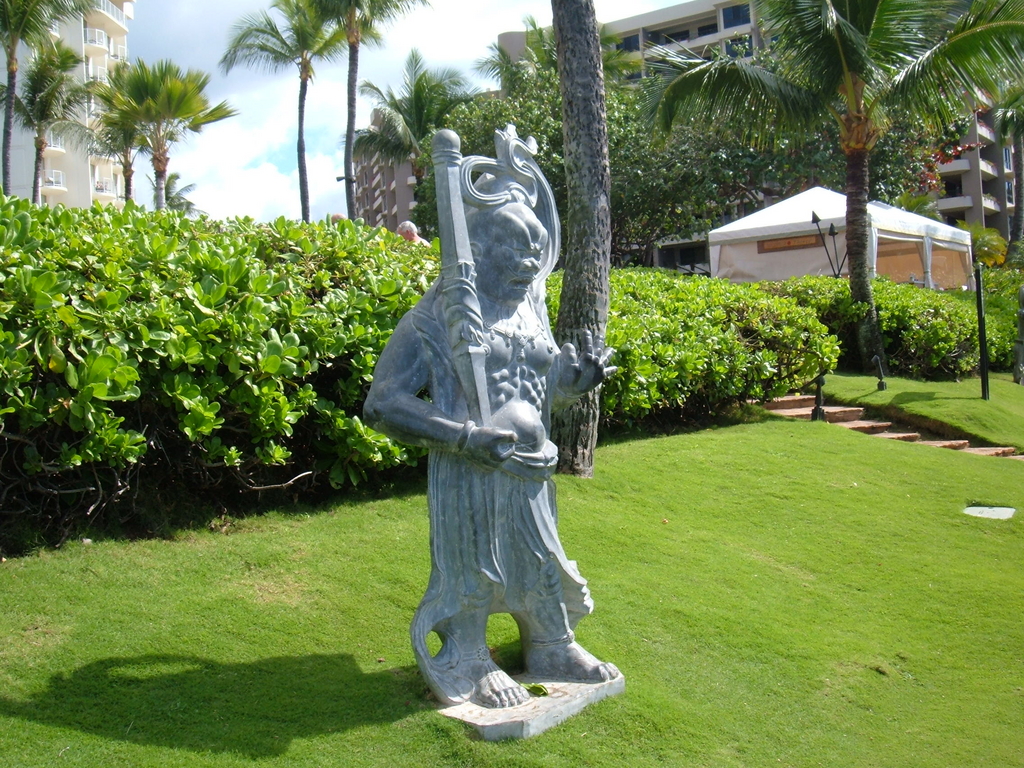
x=458, y=274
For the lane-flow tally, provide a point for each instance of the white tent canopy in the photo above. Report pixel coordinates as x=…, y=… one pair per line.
x=781, y=241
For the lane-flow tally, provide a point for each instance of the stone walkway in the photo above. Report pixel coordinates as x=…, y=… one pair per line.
x=800, y=407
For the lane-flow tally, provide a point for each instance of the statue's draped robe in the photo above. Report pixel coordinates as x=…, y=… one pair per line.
x=493, y=535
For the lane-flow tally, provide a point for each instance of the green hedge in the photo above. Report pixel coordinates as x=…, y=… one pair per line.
x=694, y=346
x=143, y=354
x=927, y=334
x=231, y=353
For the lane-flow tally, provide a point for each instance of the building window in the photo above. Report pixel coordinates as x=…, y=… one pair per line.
x=735, y=16
x=1009, y=193
x=954, y=187
x=707, y=29
x=1007, y=157
x=631, y=43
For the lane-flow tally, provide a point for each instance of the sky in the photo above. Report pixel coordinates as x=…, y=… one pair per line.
x=247, y=165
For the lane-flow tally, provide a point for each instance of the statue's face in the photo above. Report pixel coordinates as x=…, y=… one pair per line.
x=508, y=247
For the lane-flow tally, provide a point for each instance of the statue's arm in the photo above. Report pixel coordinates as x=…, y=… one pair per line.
x=394, y=406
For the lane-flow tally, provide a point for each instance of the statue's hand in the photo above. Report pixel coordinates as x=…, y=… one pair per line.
x=488, y=446
x=581, y=372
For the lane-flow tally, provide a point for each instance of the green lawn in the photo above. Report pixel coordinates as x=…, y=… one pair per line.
x=777, y=594
x=998, y=421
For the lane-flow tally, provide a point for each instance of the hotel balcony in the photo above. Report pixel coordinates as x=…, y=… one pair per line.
x=988, y=169
x=95, y=74
x=985, y=133
x=54, y=182
x=96, y=41
x=54, y=146
x=103, y=189
x=955, y=167
x=109, y=16
x=951, y=204
x=118, y=53
x=990, y=204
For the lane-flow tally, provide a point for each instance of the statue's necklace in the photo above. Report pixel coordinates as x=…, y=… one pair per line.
x=518, y=339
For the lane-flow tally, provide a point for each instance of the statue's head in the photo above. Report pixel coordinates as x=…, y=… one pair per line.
x=508, y=245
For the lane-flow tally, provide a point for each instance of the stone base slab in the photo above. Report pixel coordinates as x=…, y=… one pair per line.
x=539, y=713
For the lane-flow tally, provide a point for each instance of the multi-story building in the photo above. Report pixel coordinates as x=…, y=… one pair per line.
x=71, y=175
x=384, y=190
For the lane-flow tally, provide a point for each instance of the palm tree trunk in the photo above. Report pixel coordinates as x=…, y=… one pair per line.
x=128, y=172
x=584, y=301
x=12, y=82
x=303, y=178
x=1017, y=226
x=858, y=233
x=350, y=129
x=37, y=171
x=160, y=163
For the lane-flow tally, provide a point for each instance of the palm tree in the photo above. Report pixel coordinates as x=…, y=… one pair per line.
x=51, y=102
x=539, y=53
x=26, y=21
x=408, y=119
x=176, y=199
x=362, y=21
x=116, y=133
x=1009, y=120
x=304, y=37
x=166, y=103
x=583, y=309
x=855, y=63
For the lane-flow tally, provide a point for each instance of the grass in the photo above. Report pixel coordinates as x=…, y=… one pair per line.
x=958, y=404
x=779, y=593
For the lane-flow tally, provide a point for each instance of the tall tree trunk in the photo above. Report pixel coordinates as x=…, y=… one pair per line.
x=12, y=82
x=128, y=172
x=303, y=178
x=584, y=301
x=1016, y=244
x=858, y=233
x=160, y=162
x=37, y=170
x=350, y=130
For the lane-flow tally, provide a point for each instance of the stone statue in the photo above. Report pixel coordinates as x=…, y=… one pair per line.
x=480, y=346
x=1018, y=346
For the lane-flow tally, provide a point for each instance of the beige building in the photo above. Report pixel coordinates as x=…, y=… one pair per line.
x=71, y=175
x=384, y=191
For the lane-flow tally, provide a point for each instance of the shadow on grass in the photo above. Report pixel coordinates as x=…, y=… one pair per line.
x=253, y=709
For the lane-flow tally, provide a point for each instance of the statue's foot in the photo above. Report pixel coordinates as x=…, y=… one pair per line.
x=493, y=688
x=568, y=661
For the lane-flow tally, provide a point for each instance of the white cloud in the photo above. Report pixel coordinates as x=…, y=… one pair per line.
x=246, y=166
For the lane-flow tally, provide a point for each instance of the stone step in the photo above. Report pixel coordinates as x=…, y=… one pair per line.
x=998, y=450
x=868, y=427
x=833, y=413
x=906, y=437
x=955, y=445
x=1018, y=457
x=790, y=401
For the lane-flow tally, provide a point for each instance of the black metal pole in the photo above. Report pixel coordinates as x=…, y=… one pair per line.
x=982, y=336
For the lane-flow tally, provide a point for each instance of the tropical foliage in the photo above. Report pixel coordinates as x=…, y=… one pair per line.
x=407, y=120
x=516, y=75
x=51, y=103
x=166, y=104
x=928, y=334
x=116, y=134
x=303, y=37
x=854, y=64
x=362, y=21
